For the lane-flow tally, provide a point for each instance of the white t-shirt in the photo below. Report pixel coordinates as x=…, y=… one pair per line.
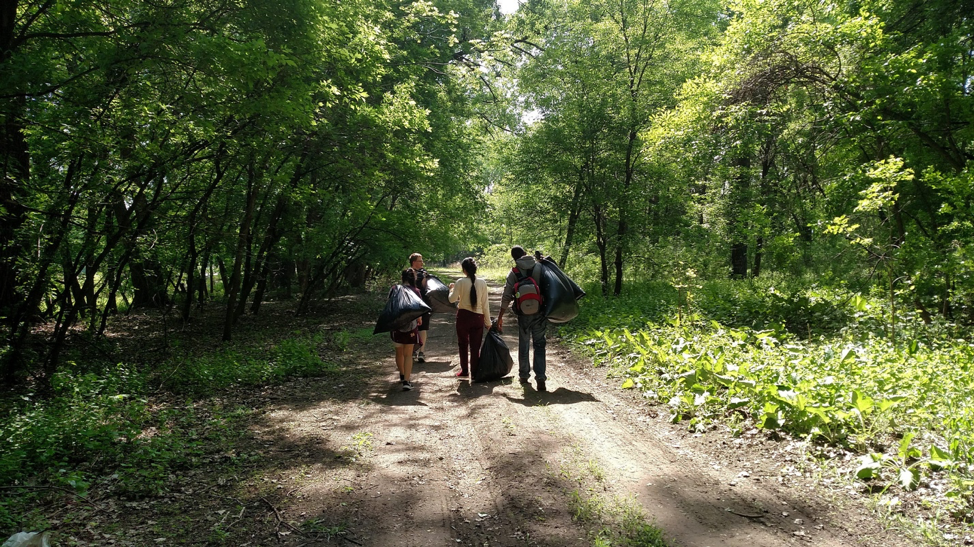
x=461, y=292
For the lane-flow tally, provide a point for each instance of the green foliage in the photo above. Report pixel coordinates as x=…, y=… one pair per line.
x=900, y=403
x=98, y=424
x=765, y=304
x=248, y=366
x=168, y=141
x=89, y=415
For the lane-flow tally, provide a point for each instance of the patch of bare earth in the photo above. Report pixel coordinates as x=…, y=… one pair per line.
x=351, y=459
x=455, y=463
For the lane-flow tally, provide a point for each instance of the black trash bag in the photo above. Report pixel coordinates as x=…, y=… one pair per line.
x=403, y=306
x=549, y=263
x=495, y=359
x=438, y=296
x=560, y=302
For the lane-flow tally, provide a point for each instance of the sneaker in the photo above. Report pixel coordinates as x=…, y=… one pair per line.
x=523, y=380
x=463, y=374
x=541, y=386
x=406, y=386
x=421, y=358
x=414, y=357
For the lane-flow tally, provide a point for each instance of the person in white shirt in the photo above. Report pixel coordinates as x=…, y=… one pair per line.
x=473, y=315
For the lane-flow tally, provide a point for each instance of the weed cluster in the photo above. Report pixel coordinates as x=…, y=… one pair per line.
x=106, y=427
x=897, y=394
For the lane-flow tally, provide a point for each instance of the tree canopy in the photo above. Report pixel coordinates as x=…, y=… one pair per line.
x=175, y=154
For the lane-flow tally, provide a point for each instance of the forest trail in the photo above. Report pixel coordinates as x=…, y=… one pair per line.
x=455, y=463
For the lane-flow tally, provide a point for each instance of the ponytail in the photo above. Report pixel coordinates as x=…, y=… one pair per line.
x=470, y=269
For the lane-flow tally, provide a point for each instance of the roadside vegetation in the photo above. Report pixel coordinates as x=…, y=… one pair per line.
x=770, y=203
x=132, y=429
x=882, y=394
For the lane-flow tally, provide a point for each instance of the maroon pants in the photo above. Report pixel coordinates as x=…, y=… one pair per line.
x=470, y=333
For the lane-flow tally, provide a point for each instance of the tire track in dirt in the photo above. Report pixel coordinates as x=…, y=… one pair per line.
x=454, y=463
x=697, y=498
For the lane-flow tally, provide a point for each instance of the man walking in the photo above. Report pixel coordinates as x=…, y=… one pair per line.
x=416, y=263
x=522, y=288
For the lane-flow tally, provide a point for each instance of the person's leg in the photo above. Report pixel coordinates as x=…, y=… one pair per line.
x=407, y=361
x=538, y=331
x=463, y=339
x=476, y=339
x=423, y=334
x=400, y=360
x=523, y=348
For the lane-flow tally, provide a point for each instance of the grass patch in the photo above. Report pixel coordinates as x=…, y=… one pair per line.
x=609, y=520
x=237, y=366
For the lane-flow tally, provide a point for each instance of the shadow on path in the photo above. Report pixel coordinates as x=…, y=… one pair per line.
x=560, y=396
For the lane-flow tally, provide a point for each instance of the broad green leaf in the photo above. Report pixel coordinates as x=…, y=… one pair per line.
x=904, y=448
x=869, y=466
x=909, y=478
x=939, y=459
x=861, y=402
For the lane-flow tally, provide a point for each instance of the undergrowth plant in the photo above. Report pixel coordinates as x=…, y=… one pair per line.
x=105, y=428
x=817, y=364
x=247, y=366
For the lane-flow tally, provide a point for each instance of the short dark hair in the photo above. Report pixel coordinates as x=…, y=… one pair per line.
x=517, y=252
x=409, y=277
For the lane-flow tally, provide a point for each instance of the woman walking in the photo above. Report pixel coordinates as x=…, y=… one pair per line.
x=406, y=337
x=473, y=315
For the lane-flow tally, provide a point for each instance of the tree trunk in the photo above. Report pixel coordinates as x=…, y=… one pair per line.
x=243, y=241
x=148, y=284
x=191, y=238
x=739, y=260
x=18, y=326
x=14, y=170
x=738, y=231
x=14, y=174
x=271, y=238
x=205, y=268
x=758, y=253
x=601, y=243
x=221, y=267
x=573, y=216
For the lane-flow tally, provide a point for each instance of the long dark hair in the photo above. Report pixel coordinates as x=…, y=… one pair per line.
x=409, y=277
x=470, y=268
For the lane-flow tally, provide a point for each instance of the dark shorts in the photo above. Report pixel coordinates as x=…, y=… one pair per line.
x=410, y=337
x=426, y=321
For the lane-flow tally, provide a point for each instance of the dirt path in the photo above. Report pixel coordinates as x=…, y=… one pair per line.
x=454, y=463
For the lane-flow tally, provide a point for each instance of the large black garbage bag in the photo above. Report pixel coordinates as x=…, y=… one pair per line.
x=438, y=296
x=495, y=359
x=560, y=293
x=403, y=306
x=549, y=263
